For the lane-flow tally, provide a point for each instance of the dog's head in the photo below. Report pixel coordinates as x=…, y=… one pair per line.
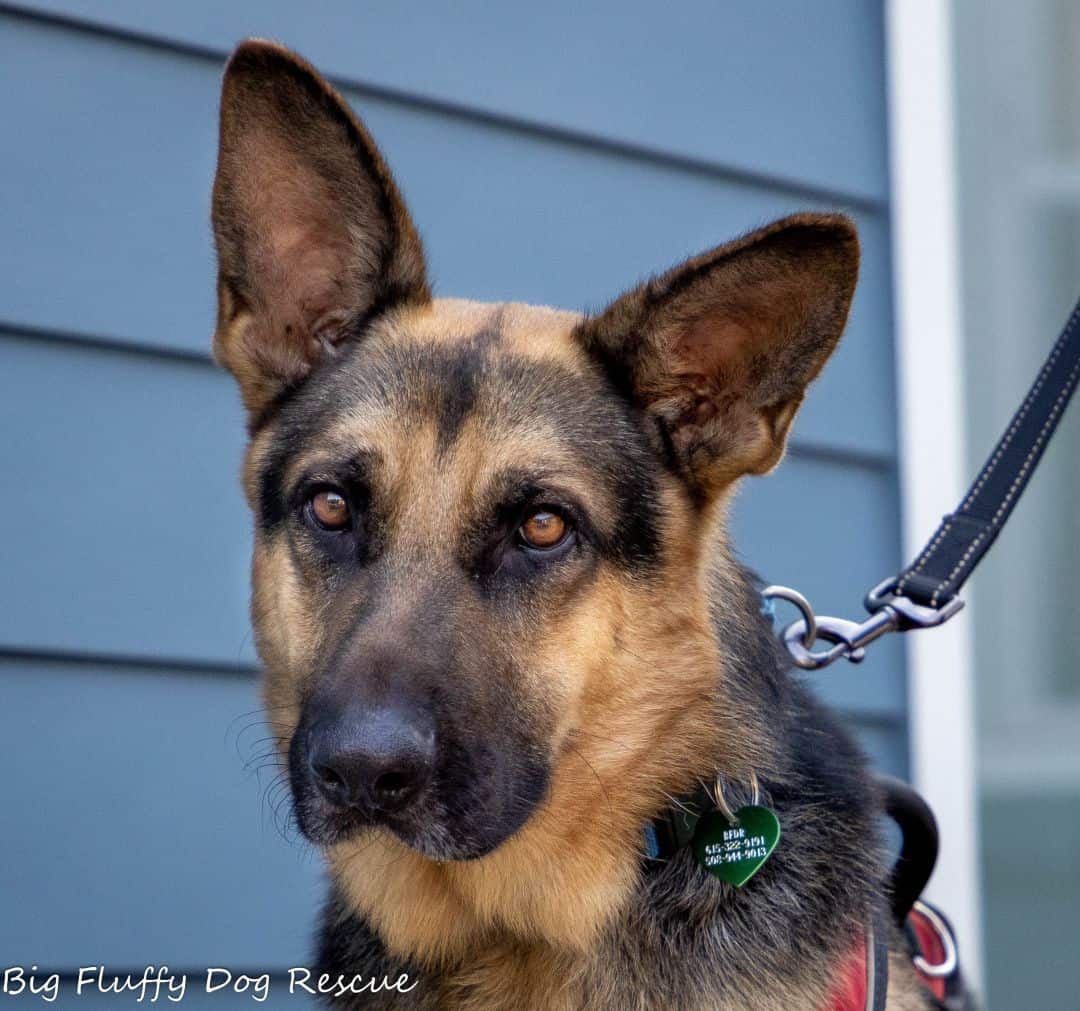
x=481, y=531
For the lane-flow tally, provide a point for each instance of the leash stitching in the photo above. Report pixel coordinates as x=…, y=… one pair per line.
x=991, y=466
x=1055, y=411
x=989, y=469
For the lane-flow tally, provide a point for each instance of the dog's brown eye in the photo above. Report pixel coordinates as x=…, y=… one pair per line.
x=330, y=510
x=543, y=530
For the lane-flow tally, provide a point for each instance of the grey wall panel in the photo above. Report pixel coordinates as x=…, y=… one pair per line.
x=1031, y=838
x=133, y=834
x=123, y=486
x=107, y=192
x=792, y=89
x=885, y=743
x=133, y=538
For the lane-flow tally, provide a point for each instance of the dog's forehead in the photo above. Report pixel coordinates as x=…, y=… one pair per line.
x=456, y=384
x=446, y=368
x=508, y=327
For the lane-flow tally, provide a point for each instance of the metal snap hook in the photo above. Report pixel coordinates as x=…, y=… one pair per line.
x=848, y=638
x=888, y=613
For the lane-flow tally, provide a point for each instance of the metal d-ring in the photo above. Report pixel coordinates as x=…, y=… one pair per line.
x=756, y=787
x=947, y=965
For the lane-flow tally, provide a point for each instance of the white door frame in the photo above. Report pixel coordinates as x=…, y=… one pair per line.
x=929, y=355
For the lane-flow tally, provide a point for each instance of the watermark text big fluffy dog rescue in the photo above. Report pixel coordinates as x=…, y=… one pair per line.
x=160, y=983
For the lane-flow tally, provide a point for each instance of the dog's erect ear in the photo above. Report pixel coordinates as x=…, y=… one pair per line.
x=312, y=235
x=719, y=350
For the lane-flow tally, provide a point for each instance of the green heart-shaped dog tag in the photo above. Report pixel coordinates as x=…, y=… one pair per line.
x=735, y=851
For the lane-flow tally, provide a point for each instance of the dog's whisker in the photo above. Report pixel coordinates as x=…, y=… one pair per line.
x=611, y=741
x=592, y=769
x=679, y=804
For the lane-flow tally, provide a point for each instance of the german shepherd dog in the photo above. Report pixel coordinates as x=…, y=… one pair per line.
x=501, y=626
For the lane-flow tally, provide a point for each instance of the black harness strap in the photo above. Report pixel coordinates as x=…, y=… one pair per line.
x=965, y=536
x=918, y=845
x=877, y=962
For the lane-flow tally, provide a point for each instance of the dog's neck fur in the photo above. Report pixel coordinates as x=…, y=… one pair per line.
x=526, y=925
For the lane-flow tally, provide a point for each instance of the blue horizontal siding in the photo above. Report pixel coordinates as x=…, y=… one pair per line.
x=108, y=191
x=132, y=833
x=788, y=89
x=148, y=555
x=148, y=552
x=884, y=743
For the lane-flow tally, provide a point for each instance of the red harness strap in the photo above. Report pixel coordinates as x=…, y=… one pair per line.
x=849, y=991
x=932, y=948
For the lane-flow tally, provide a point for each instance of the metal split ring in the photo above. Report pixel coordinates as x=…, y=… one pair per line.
x=721, y=800
x=810, y=631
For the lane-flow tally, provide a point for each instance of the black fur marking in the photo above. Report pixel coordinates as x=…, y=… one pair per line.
x=457, y=391
x=616, y=356
x=488, y=775
x=347, y=947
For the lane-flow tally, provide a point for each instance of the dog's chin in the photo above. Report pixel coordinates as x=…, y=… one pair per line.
x=432, y=842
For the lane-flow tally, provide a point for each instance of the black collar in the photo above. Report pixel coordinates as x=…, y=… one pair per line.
x=673, y=829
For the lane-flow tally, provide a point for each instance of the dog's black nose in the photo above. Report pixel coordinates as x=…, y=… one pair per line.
x=379, y=760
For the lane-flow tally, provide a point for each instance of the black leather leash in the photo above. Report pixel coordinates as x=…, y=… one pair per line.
x=925, y=593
